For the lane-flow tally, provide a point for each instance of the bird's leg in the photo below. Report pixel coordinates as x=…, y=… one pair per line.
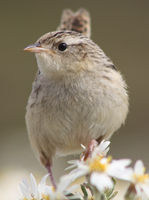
x=46, y=162
x=88, y=152
x=92, y=144
x=100, y=139
x=49, y=169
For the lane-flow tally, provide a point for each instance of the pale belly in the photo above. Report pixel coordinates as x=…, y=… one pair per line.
x=65, y=127
x=59, y=122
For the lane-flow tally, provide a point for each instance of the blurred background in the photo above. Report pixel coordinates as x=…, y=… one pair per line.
x=120, y=28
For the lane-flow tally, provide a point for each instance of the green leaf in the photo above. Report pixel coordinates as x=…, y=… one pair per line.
x=114, y=181
x=108, y=192
x=88, y=186
x=72, y=196
x=84, y=191
x=113, y=195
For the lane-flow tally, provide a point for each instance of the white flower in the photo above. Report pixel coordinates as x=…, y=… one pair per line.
x=100, y=150
x=29, y=192
x=43, y=192
x=60, y=192
x=100, y=170
x=139, y=179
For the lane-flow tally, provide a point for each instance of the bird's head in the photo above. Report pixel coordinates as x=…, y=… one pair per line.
x=63, y=52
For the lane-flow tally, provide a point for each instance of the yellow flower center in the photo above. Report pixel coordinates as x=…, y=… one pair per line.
x=32, y=196
x=45, y=197
x=98, y=165
x=141, y=178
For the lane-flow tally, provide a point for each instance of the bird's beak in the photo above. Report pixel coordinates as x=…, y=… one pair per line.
x=36, y=48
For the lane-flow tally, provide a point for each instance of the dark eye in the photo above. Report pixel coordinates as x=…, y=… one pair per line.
x=62, y=46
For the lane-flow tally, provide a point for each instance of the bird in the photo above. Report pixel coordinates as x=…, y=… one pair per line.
x=77, y=96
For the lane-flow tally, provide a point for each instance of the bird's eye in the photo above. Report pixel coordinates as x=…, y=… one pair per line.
x=62, y=46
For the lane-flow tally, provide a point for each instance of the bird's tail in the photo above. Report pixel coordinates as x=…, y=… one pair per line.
x=76, y=21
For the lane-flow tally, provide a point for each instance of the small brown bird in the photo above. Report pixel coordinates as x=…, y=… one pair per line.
x=77, y=96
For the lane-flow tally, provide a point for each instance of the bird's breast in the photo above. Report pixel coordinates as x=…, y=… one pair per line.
x=69, y=114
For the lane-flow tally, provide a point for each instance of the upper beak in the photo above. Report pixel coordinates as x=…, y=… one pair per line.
x=36, y=48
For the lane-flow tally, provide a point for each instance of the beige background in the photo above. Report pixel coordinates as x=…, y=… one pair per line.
x=120, y=28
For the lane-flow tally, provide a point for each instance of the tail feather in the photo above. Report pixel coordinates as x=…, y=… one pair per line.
x=78, y=21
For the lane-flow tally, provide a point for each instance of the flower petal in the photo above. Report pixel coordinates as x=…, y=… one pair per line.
x=101, y=181
x=121, y=163
x=105, y=151
x=73, y=176
x=23, y=191
x=102, y=148
x=73, y=161
x=103, y=145
x=71, y=166
x=63, y=185
x=145, y=189
x=73, y=187
x=83, y=146
x=26, y=183
x=74, y=171
x=43, y=180
x=33, y=185
x=139, y=167
x=117, y=169
x=143, y=196
x=42, y=185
